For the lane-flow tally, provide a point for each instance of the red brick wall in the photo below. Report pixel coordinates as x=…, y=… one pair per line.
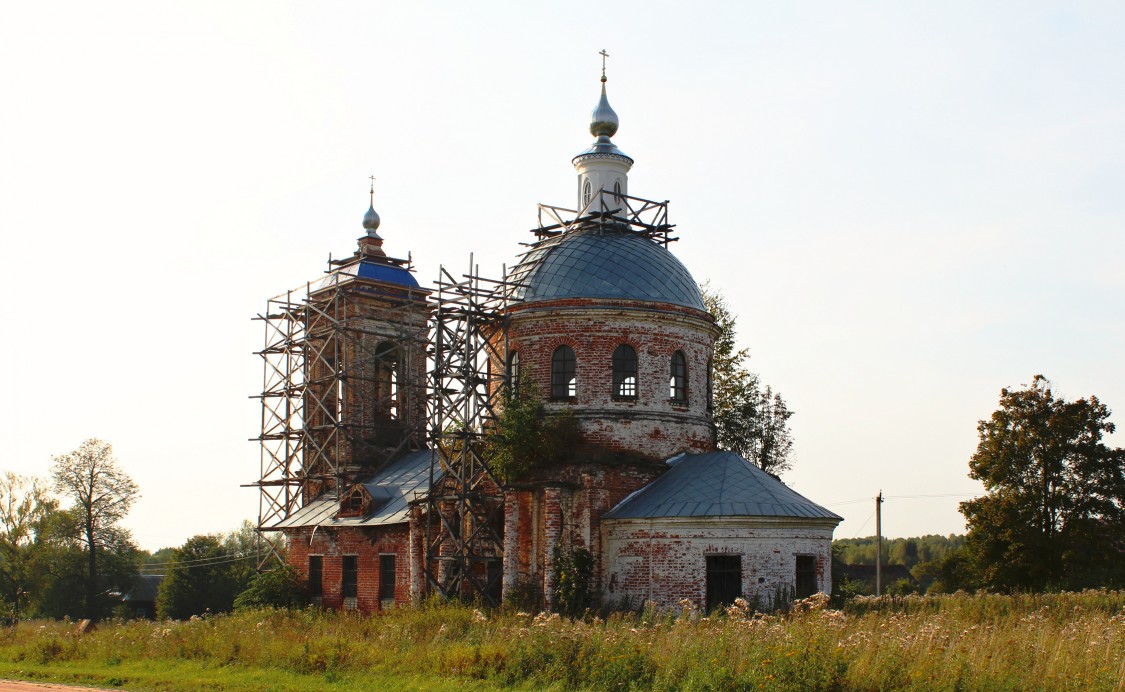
x=652, y=425
x=370, y=314
x=367, y=544
x=566, y=510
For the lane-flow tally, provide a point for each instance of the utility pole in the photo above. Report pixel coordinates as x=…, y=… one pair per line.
x=879, y=544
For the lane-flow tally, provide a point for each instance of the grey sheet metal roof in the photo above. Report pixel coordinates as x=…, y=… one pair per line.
x=716, y=484
x=391, y=489
x=600, y=263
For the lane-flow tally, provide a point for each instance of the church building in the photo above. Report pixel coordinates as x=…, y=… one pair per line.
x=605, y=327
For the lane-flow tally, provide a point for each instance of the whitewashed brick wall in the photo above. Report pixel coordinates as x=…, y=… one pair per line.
x=664, y=560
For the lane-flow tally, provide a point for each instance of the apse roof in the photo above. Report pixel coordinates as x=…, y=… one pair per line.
x=604, y=263
x=391, y=489
x=716, y=484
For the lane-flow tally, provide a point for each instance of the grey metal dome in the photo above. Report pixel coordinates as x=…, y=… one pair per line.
x=604, y=263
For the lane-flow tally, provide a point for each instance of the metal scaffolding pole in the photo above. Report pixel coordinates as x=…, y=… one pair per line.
x=342, y=390
x=465, y=502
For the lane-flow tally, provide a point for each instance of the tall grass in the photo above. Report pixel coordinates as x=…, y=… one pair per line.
x=962, y=641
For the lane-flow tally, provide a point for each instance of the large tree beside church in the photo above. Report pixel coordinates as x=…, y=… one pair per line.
x=1054, y=513
x=750, y=419
x=102, y=494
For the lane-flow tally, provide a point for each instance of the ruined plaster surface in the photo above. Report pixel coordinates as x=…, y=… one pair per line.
x=664, y=560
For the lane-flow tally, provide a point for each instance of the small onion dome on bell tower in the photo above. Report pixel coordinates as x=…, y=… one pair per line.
x=371, y=243
x=602, y=167
x=603, y=119
x=371, y=220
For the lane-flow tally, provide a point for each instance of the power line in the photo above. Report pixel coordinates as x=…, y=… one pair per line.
x=898, y=497
x=861, y=528
x=912, y=497
x=848, y=502
x=215, y=559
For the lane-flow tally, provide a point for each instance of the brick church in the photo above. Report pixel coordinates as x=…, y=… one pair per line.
x=604, y=325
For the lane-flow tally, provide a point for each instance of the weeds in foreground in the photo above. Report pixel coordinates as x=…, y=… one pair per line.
x=961, y=641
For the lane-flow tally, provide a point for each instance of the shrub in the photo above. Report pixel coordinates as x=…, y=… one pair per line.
x=574, y=573
x=281, y=587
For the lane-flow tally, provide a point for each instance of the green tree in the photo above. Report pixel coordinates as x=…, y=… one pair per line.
x=25, y=509
x=201, y=579
x=59, y=567
x=102, y=494
x=244, y=546
x=773, y=443
x=950, y=573
x=525, y=436
x=749, y=420
x=1054, y=512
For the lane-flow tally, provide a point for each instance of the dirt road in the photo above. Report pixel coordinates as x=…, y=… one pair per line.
x=18, y=686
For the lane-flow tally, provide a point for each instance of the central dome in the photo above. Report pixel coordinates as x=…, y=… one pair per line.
x=604, y=263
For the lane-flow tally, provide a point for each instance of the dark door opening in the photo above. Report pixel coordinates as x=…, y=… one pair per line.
x=316, y=575
x=806, y=576
x=724, y=580
x=351, y=576
x=386, y=582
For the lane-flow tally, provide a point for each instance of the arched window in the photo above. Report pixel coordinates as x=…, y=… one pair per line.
x=387, y=359
x=587, y=192
x=624, y=372
x=514, y=373
x=617, y=188
x=678, y=384
x=564, y=383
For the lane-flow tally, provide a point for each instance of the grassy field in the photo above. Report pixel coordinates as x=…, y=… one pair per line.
x=959, y=642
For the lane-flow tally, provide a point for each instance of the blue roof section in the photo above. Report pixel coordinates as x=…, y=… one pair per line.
x=601, y=263
x=717, y=484
x=386, y=273
x=391, y=488
x=374, y=271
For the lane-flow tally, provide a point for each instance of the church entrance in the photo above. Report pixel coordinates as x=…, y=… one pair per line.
x=724, y=580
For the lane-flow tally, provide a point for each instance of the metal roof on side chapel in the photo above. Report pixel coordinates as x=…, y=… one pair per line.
x=717, y=484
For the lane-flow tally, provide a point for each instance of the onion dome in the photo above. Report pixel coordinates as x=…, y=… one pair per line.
x=371, y=219
x=603, y=119
x=603, y=125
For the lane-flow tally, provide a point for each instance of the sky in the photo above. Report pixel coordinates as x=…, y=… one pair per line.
x=908, y=205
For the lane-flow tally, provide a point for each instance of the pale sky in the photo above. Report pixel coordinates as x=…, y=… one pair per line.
x=909, y=206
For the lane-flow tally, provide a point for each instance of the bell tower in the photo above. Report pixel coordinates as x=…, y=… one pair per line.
x=365, y=362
